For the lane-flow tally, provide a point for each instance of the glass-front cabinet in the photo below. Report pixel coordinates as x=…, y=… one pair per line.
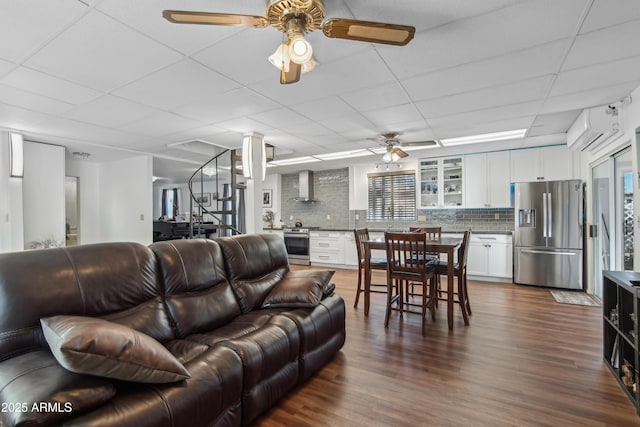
x=441, y=183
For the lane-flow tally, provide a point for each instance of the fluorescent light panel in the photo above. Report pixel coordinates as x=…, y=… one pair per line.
x=295, y=161
x=343, y=154
x=485, y=137
x=16, y=155
x=247, y=156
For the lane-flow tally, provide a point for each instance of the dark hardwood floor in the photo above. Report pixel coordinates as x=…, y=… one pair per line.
x=524, y=360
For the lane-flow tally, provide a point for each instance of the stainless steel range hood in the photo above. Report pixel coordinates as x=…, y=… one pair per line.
x=305, y=182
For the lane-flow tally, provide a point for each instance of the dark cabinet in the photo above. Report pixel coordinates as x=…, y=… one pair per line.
x=620, y=297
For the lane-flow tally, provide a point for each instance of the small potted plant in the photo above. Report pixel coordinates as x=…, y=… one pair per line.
x=269, y=217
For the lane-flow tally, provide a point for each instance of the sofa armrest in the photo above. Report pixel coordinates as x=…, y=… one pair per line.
x=300, y=290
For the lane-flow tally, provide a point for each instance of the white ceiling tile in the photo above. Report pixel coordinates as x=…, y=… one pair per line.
x=161, y=123
x=177, y=84
x=534, y=62
x=492, y=34
x=52, y=87
x=450, y=130
x=388, y=117
x=525, y=109
x=203, y=133
x=550, y=124
x=101, y=53
x=513, y=93
x=78, y=131
x=31, y=101
x=586, y=99
x=322, y=109
x=376, y=97
x=16, y=118
x=229, y=105
x=354, y=122
x=5, y=67
x=146, y=16
x=604, y=45
x=605, y=13
x=43, y=19
x=109, y=111
x=596, y=76
x=244, y=125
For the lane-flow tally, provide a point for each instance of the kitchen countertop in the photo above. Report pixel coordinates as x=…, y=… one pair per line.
x=380, y=230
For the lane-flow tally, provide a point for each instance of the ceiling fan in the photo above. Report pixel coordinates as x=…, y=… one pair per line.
x=294, y=18
x=393, y=144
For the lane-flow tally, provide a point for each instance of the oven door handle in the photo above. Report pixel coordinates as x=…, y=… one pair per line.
x=295, y=236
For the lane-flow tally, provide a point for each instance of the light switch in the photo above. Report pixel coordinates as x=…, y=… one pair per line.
x=141, y=217
x=328, y=217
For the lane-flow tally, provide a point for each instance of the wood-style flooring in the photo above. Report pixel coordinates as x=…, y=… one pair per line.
x=524, y=360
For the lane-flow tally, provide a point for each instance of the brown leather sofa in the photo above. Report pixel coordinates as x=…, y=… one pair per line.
x=240, y=328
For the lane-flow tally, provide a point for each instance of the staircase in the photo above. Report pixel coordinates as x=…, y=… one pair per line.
x=225, y=215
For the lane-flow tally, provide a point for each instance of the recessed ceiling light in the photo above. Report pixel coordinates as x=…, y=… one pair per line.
x=343, y=154
x=294, y=161
x=485, y=137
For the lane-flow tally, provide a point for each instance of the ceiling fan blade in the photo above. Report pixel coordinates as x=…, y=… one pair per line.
x=420, y=143
x=210, y=18
x=291, y=76
x=366, y=31
x=400, y=152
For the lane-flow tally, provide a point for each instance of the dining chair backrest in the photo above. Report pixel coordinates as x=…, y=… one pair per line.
x=401, y=251
x=433, y=233
x=463, y=250
x=361, y=235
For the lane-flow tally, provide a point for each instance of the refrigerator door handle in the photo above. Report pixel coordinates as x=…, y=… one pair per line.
x=550, y=211
x=533, y=251
x=544, y=214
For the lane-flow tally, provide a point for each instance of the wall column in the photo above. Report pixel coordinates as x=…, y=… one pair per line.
x=254, y=142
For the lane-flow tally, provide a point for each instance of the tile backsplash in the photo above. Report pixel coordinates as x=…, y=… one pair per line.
x=331, y=209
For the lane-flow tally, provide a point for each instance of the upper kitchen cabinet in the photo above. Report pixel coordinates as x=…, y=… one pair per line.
x=542, y=164
x=441, y=183
x=487, y=180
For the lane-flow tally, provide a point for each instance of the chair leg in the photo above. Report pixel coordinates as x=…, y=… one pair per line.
x=389, y=302
x=359, y=288
x=434, y=296
x=462, y=298
x=466, y=295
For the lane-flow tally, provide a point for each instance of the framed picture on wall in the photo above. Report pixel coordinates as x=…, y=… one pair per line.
x=203, y=198
x=267, y=195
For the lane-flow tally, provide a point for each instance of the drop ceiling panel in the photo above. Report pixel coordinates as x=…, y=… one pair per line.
x=489, y=115
x=388, y=117
x=323, y=109
x=230, y=105
x=604, y=13
x=349, y=124
x=514, y=93
x=451, y=130
x=78, y=131
x=16, y=118
x=101, y=53
x=376, y=97
x=493, y=34
x=534, y=62
x=32, y=101
x=146, y=16
x=5, y=67
x=604, y=45
x=43, y=19
x=244, y=125
x=600, y=75
x=590, y=98
x=178, y=84
x=554, y=123
x=109, y=111
x=161, y=123
x=52, y=87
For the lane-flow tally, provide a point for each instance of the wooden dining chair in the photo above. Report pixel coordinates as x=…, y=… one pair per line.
x=402, y=269
x=461, y=295
x=432, y=233
x=362, y=235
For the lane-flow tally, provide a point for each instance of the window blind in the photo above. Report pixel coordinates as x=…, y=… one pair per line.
x=392, y=196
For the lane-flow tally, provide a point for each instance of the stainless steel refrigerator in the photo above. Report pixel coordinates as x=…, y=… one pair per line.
x=549, y=234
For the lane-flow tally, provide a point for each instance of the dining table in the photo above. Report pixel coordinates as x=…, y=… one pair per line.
x=444, y=245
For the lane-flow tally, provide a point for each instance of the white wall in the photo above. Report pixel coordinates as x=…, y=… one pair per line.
x=89, y=198
x=43, y=193
x=126, y=200
x=11, y=238
x=274, y=183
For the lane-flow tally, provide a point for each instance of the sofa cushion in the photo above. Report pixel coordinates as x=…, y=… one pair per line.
x=36, y=378
x=195, y=281
x=255, y=263
x=99, y=347
x=298, y=290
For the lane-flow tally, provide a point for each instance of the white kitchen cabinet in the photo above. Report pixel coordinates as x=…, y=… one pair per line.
x=350, y=250
x=440, y=183
x=542, y=164
x=490, y=257
x=487, y=180
x=326, y=247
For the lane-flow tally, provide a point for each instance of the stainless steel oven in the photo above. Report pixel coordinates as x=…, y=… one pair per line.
x=297, y=242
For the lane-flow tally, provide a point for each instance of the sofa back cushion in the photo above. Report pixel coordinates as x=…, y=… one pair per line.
x=255, y=263
x=198, y=295
x=116, y=281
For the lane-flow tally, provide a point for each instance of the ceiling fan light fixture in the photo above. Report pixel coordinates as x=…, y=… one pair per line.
x=280, y=57
x=300, y=50
x=309, y=65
